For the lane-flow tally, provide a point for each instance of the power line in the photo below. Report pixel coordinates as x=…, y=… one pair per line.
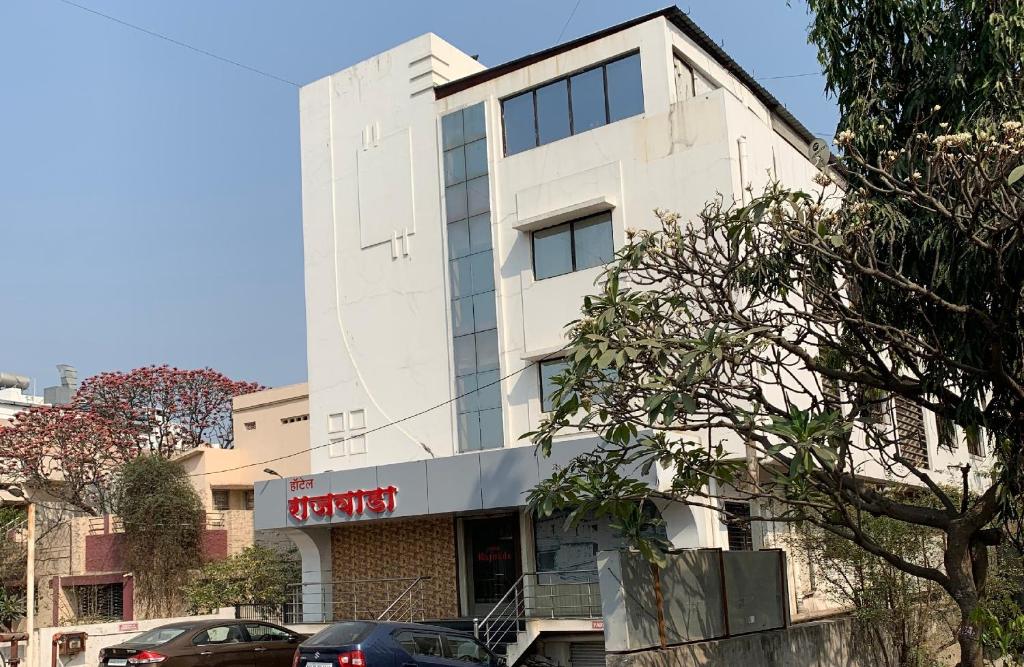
x=179, y=43
x=568, y=20
x=382, y=426
x=787, y=76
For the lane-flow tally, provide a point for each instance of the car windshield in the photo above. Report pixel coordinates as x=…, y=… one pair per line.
x=158, y=635
x=340, y=634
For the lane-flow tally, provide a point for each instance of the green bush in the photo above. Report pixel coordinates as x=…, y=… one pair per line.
x=256, y=575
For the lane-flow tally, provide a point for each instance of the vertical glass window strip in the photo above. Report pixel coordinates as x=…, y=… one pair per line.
x=471, y=273
x=573, y=104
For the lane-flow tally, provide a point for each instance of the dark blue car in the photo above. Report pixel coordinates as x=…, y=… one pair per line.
x=370, y=644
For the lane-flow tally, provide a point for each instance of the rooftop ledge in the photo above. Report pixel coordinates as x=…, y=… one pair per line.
x=565, y=213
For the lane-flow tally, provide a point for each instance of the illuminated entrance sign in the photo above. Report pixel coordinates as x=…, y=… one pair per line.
x=378, y=501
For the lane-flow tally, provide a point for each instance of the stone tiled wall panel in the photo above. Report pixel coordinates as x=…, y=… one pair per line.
x=397, y=549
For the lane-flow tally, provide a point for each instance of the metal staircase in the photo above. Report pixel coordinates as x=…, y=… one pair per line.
x=521, y=615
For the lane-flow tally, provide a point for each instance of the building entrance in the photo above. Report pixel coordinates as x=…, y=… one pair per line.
x=492, y=560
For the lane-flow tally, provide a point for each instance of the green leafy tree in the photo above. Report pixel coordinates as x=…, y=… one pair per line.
x=256, y=575
x=164, y=521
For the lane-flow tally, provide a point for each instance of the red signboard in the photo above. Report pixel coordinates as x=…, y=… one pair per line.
x=597, y=625
x=127, y=627
x=350, y=503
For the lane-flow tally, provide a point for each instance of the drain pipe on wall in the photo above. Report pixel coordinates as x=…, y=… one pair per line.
x=741, y=146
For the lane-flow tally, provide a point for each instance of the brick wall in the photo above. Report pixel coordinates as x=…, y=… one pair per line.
x=398, y=549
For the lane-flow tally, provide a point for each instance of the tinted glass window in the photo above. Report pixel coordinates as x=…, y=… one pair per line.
x=484, y=312
x=454, y=166
x=491, y=432
x=458, y=239
x=548, y=370
x=465, y=649
x=489, y=394
x=465, y=354
x=480, y=233
x=476, y=158
x=221, y=634
x=552, y=251
x=455, y=202
x=473, y=123
x=340, y=634
x=487, y=350
x=462, y=316
x=479, y=197
x=520, y=130
x=469, y=431
x=420, y=643
x=466, y=391
x=553, y=111
x=451, y=130
x=592, y=241
x=625, y=88
x=158, y=635
x=266, y=633
x=588, y=100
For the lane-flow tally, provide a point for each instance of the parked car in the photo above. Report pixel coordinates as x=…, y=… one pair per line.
x=216, y=643
x=369, y=644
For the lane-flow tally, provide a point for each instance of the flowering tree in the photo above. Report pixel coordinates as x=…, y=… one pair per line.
x=70, y=453
x=175, y=409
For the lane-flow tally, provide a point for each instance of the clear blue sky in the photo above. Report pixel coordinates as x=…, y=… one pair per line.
x=150, y=196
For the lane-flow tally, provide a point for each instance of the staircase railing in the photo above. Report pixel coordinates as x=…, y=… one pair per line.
x=409, y=605
x=561, y=594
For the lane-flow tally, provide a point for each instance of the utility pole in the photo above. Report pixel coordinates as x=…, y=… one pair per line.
x=30, y=586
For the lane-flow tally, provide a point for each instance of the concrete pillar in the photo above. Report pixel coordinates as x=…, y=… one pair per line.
x=316, y=594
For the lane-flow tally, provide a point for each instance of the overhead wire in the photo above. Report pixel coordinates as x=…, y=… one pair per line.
x=180, y=43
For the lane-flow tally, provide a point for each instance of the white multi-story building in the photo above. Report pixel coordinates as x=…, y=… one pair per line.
x=454, y=217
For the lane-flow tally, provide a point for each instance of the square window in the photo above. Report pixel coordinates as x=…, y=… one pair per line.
x=336, y=447
x=473, y=122
x=357, y=419
x=476, y=159
x=487, y=350
x=548, y=370
x=455, y=202
x=552, y=251
x=482, y=268
x=553, y=111
x=592, y=241
x=462, y=316
x=491, y=431
x=466, y=393
x=460, y=274
x=458, y=239
x=336, y=422
x=357, y=444
x=464, y=348
x=588, y=110
x=469, y=431
x=520, y=127
x=489, y=393
x=451, y=130
x=454, y=166
x=484, y=312
x=480, y=233
x=479, y=196
x=625, y=88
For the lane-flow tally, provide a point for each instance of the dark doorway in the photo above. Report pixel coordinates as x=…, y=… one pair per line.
x=492, y=558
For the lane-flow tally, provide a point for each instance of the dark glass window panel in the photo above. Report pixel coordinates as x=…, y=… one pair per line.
x=487, y=350
x=485, y=314
x=462, y=316
x=489, y=395
x=458, y=239
x=482, y=267
x=479, y=196
x=520, y=129
x=480, y=233
x=455, y=202
x=461, y=277
x=588, y=109
x=491, y=431
x=451, y=130
x=625, y=88
x=553, y=111
x=473, y=122
x=468, y=396
x=593, y=241
x=552, y=252
x=464, y=349
x=454, y=166
x=469, y=431
x=549, y=369
x=476, y=159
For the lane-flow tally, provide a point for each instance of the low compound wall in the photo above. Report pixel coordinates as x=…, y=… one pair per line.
x=825, y=643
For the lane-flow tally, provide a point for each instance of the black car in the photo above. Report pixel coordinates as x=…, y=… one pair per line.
x=369, y=644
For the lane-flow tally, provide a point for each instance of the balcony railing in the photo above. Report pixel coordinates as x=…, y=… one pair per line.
x=398, y=599
x=102, y=525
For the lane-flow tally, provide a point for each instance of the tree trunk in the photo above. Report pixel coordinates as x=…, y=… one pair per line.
x=960, y=568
